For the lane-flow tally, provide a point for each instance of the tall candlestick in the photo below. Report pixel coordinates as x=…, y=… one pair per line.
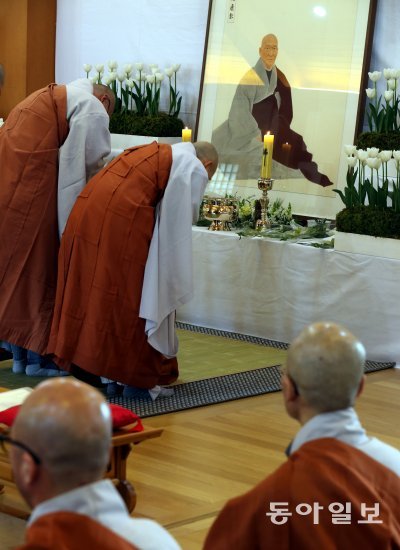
x=186, y=134
x=266, y=166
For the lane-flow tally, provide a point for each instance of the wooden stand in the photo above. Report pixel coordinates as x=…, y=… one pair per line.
x=122, y=445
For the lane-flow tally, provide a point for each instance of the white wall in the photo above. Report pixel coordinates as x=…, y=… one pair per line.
x=131, y=31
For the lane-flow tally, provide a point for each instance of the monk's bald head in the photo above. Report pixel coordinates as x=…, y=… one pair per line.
x=68, y=425
x=106, y=96
x=268, y=50
x=326, y=362
x=207, y=154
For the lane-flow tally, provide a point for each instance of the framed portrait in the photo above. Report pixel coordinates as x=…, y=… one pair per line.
x=295, y=70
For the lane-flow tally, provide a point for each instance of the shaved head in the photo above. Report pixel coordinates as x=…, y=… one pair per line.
x=326, y=363
x=68, y=425
x=106, y=96
x=207, y=154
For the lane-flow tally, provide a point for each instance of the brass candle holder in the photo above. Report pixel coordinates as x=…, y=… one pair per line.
x=265, y=185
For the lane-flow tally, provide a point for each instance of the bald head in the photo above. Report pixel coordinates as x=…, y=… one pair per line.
x=106, y=96
x=326, y=363
x=68, y=425
x=207, y=154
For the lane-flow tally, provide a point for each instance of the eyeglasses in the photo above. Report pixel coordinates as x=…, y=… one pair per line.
x=6, y=442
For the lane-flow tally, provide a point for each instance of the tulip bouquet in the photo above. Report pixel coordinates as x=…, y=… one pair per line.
x=371, y=198
x=383, y=117
x=138, y=95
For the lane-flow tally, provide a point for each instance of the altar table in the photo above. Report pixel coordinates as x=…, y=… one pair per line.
x=273, y=289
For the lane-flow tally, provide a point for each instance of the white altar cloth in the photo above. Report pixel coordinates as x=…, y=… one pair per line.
x=273, y=289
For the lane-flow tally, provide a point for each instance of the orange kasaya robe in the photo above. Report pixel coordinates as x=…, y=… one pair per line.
x=71, y=531
x=323, y=471
x=102, y=259
x=29, y=144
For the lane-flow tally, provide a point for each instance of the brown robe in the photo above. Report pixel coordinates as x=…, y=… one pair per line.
x=29, y=144
x=323, y=471
x=70, y=531
x=101, y=266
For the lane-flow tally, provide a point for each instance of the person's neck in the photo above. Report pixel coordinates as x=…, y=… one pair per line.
x=268, y=68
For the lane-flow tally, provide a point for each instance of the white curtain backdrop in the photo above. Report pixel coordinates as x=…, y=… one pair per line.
x=132, y=31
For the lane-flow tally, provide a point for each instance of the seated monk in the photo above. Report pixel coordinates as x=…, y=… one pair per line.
x=339, y=487
x=125, y=265
x=59, y=450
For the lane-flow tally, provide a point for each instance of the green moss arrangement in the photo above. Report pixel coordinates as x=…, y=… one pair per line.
x=387, y=141
x=161, y=125
x=367, y=220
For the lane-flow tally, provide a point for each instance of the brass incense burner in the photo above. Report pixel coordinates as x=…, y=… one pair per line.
x=222, y=212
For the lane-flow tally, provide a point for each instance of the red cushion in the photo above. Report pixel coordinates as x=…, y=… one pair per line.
x=7, y=416
x=120, y=417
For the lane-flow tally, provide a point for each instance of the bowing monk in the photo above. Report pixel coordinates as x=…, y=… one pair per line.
x=50, y=145
x=125, y=265
x=59, y=451
x=339, y=487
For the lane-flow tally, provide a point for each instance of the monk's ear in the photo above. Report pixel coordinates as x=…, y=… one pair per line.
x=28, y=470
x=361, y=386
x=289, y=389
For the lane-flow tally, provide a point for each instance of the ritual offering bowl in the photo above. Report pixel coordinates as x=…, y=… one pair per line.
x=222, y=212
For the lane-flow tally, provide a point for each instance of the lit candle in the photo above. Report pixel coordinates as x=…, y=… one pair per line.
x=286, y=148
x=186, y=134
x=268, y=148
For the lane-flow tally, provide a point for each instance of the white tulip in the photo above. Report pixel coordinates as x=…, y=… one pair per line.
x=385, y=156
x=388, y=95
x=169, y=72
x=393, y=73
x=375, y=76
x=154, y=70
x=391, y=84
x=99, y=68
x=159, y=77
x=151, y=78
x=121, y=77
x=140, y=76
x=94, y=79
x=129, y=83
x=352, y=161
x=113, y=76
x=396, y=155
x=371, y=93
x=396, y=73
x=176, y=67
x=373, y=152
x=128, y=69
x=153, y=66
x=112, y=65
x=374, y=163
x=139, y=66
x=362, y=154
x=108, y=80
x=350, y=149
x=87, y=68
x=387, y=73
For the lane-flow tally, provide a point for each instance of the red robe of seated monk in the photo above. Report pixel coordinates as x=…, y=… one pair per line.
x=70, y=531
x=101, y=267
x=308, y=488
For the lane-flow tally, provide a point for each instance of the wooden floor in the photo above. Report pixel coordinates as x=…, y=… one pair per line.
x=208, y=455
